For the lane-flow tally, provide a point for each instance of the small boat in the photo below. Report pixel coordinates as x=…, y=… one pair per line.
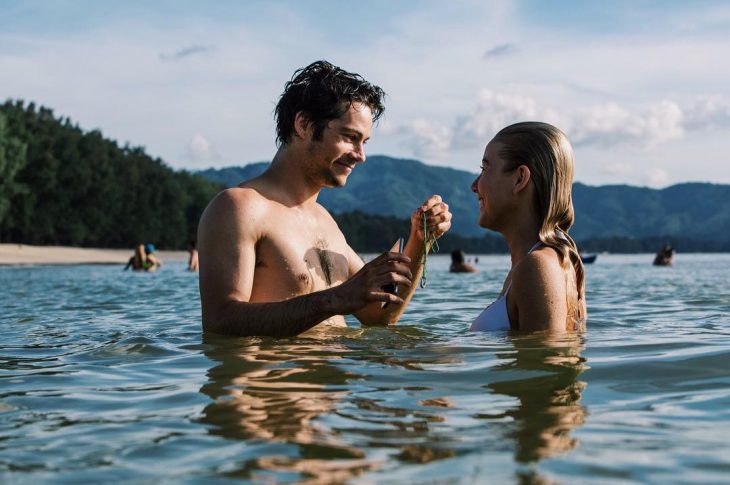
x=588, y=258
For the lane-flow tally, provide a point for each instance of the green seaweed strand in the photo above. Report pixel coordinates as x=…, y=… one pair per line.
x=427, y=238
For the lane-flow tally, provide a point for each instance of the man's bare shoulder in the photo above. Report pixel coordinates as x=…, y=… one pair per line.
x=324, y=213
x=325, y=216
x=238, y=200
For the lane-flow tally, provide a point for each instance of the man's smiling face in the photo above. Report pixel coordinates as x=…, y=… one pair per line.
x=342, y=145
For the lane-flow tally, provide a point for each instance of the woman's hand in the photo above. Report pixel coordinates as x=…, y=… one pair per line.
x=438, y=218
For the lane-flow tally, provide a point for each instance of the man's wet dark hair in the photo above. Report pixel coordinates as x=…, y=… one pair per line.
x=323, y=92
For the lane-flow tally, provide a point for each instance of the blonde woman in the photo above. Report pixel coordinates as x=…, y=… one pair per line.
x=524, y=192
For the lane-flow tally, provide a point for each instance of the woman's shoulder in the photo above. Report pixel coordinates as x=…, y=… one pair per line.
x=539, y=277
x=539, y=264
x=538, y=291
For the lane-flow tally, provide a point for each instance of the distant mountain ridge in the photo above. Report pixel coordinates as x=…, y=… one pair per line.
x=62, y=185
x=394, y=187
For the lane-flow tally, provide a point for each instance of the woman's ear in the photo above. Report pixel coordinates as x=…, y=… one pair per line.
x=521, y=178
x=301, y=125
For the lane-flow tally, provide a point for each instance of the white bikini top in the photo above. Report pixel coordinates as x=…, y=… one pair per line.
x=495, y=316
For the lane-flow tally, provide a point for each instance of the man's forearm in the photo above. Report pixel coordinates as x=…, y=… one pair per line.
x=275, y=319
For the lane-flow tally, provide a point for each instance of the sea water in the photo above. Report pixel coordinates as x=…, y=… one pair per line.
x=105, y=376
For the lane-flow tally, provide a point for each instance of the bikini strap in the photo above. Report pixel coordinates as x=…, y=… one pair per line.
x=535, y=246
x=506, y=290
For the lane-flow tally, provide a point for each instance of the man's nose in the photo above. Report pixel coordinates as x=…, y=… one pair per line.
x=359, y=152
x=474, y=184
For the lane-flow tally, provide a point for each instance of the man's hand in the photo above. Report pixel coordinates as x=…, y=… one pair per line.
x=366, y=286
x=438, y=218
x=409, y=268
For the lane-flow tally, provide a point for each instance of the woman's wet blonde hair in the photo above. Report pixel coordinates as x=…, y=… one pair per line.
x=546, y=151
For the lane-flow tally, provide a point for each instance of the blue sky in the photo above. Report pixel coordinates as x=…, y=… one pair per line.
x=641, y=87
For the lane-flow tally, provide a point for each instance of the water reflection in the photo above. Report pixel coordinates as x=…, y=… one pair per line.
x=549, y=399
x=307, y=414
x=275, y=391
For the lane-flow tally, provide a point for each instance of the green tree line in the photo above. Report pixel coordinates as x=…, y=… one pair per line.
x=374, y=234
x=369, y=233
x=61, y=185
x=627, y=245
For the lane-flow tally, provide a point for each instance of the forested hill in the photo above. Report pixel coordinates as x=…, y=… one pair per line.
x=699, y=211
x=394, y=187
x=61, y=185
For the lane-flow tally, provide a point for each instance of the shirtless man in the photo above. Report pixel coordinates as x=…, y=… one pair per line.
x=272, y=260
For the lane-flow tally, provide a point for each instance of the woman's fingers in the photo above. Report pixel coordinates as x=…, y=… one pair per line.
x=430, y=202
x=437, y=209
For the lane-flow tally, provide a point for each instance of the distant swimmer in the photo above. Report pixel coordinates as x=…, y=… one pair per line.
x=141, y=260
x=665, y=256
x=192, y=257
x=458, y=265
x=152, y=257
x=524, y=192
x=272, y=260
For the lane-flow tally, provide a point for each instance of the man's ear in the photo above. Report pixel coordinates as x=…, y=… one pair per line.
x=302, y=124
x=521, y=178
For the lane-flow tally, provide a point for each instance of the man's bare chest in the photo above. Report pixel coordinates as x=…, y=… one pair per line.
x=301, y=255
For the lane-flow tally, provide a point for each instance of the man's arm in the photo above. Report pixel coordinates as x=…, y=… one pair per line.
x=438, y=221
x=227, y=235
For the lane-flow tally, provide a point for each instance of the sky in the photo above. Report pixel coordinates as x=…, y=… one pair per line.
x=641, y=87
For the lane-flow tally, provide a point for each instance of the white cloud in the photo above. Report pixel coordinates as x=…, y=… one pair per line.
x=424, y=138
x=620, y=169
x=606, y=125
x=707, y=113
x=611, y=124
x=201, y=151
x=656, y=177
x=494, y=111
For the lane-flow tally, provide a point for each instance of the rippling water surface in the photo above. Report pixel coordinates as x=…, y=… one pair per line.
x=105, y=376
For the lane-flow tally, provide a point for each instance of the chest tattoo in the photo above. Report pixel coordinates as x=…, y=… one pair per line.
x=324, y=260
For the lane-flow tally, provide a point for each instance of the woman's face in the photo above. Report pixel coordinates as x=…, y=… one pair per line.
x=493, y=187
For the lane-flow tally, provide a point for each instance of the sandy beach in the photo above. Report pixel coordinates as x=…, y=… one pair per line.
x=22, y=254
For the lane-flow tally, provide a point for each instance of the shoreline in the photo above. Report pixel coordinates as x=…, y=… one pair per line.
x=28, y=255
x=24, y=254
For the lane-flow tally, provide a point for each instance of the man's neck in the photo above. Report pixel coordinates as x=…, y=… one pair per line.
x=294, y=186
